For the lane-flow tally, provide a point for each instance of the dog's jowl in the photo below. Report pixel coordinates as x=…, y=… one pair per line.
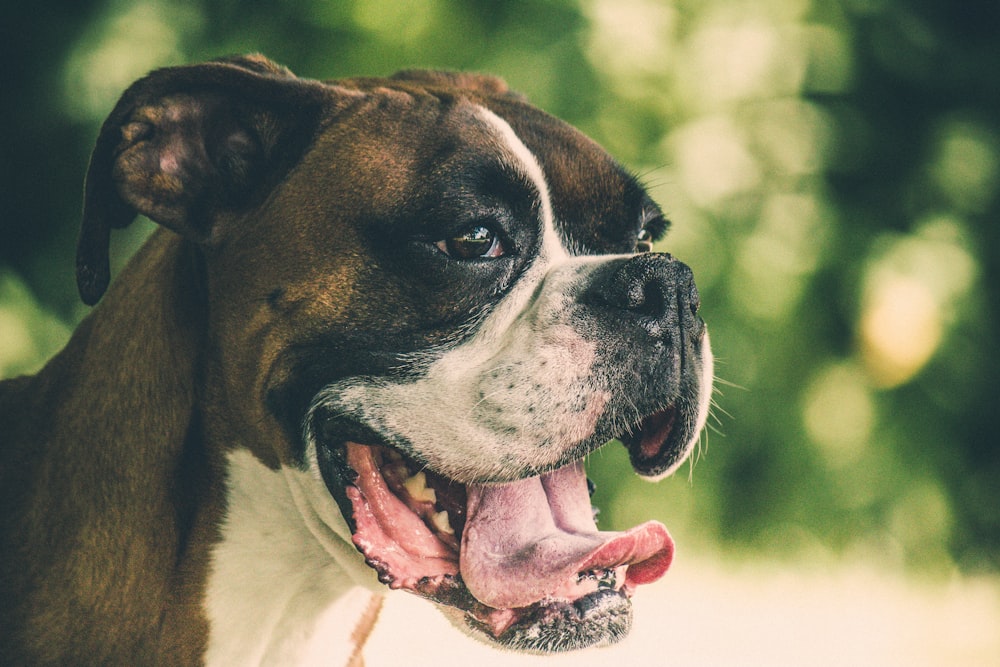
x=381, y=325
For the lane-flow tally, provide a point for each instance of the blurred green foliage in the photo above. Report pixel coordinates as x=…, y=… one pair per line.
x=831, y=168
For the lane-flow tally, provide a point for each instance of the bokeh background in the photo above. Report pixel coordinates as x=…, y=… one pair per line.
x=832, y=169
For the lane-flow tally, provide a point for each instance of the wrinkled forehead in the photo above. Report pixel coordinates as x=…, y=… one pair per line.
x=595, y=205
x=589, y=201
x=588, y=204
x=520, y=160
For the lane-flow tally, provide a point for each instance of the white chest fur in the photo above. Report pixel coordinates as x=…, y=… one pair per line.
x=287, y=586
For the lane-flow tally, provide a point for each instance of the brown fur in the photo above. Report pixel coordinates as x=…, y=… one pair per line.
x=111, y=479
x=105, y=482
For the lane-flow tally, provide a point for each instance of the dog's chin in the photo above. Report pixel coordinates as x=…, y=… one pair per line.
x=599, y=619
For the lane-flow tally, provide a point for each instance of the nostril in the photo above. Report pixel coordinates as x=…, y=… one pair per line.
x=655, y=290
x=694, y=301
x=649, y=300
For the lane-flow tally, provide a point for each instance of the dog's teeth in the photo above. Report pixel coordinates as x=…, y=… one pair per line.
x=442, y=522
x=417, y=487
x=606, y=579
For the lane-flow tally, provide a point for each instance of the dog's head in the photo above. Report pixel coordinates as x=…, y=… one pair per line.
x=443, y=300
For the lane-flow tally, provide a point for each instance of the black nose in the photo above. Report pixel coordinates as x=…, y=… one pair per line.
x=653, y=289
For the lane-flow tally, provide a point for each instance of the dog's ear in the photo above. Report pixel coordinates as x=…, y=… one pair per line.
x=480, y=83
x=186, y=143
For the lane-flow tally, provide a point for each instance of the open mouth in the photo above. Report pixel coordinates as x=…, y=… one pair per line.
x=523, y=561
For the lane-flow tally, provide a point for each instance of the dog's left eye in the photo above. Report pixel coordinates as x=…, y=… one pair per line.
x=477, y=242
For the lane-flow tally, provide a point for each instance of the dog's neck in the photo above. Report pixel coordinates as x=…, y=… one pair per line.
x=265, y=555
x=274, y=554
x=284, y=564
x=108, y=434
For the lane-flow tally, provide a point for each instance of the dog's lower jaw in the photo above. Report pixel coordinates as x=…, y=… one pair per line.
x=556, y=628
x=533, y=573
x=285, y=581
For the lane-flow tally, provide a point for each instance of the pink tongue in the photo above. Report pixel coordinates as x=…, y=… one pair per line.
x=529, y=540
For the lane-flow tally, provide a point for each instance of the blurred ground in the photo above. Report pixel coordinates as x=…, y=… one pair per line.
x=707, y=613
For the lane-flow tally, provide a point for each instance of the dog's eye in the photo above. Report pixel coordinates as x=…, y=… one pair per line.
x=652, y=227
x=644, y=241
x=477, y=242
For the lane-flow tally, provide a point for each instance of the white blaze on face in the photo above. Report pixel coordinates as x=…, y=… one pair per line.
x=524, y=161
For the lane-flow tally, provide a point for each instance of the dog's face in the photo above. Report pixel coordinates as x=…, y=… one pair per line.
x=441, y=298
x=523, y=333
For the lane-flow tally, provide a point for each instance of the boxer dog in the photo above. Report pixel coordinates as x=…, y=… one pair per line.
x=383, y=322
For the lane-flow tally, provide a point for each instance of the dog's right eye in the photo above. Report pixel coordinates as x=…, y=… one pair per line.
x=476, y=242
x=644, y=241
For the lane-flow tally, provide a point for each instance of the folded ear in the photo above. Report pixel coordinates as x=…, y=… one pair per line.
x=186, y=143
x=481, y=83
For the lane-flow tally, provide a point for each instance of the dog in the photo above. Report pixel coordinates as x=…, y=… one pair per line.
x=379, y=327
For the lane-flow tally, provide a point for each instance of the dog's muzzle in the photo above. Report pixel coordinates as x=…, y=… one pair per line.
x=652, y=304
x=518, y=555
